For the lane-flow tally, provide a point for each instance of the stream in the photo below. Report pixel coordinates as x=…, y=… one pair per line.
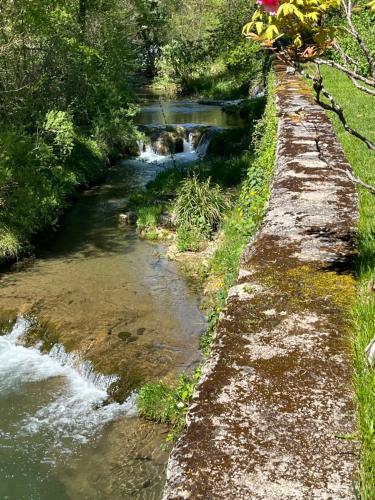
x=116, y=305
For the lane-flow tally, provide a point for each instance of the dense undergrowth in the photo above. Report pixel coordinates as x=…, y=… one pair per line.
x=212, y=59
x=66, y=72
x=161, y=403
x=359, y=111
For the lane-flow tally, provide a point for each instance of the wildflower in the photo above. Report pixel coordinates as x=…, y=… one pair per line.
x=269, y=6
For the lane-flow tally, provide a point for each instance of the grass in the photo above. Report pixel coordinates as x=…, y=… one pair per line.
x=147, y=220
x=200, y=205
x=168, y=405
x=359, y=110
x=248, y=213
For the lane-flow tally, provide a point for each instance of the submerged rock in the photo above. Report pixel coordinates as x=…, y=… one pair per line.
x=127, y=218
x=127, y=337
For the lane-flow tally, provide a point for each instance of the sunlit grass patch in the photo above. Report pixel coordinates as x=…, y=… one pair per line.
x=359, y=111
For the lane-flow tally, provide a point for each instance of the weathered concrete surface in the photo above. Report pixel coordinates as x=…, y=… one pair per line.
x=276, y=394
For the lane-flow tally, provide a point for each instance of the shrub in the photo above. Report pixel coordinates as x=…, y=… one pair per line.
x=200, y=205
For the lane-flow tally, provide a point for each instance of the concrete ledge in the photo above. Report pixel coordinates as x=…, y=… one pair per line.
x=276, y=394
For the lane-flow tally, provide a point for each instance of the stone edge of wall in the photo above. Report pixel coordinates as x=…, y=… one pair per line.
x=277, y=389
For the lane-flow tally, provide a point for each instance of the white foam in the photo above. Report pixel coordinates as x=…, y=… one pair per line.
x=77, y=412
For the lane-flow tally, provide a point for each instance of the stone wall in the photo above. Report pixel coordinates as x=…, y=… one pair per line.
x=276, y=396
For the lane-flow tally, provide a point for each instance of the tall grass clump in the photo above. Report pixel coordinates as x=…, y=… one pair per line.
x=200, y=205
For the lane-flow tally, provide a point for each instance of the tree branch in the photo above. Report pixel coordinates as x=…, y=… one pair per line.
x=347, y=71
x=348, y=7
x=362, y=88
x=333, y=106
x=345, y=57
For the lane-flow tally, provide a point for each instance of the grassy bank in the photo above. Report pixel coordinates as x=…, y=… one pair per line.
x=238, y=224
x=359, y=112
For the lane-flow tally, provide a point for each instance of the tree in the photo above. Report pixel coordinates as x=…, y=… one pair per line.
x=302, y=31
x=311, y=31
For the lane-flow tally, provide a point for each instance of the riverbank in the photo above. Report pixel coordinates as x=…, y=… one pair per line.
x=213, y=263
x=43, y=185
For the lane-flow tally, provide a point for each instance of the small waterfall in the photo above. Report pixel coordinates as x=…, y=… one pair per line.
x=19, y=329
x=190, y=151
x=204, y=144
x=141, y=147
x=76, y=410
x=84, y=368
x=188, y=146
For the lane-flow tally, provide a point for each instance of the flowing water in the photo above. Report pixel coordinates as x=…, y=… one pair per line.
x=116, y=305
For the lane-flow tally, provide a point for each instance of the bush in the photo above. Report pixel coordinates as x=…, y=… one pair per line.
x=199, y=205
x=36, y=178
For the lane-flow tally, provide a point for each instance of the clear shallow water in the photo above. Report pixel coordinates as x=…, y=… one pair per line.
x=93, y=281
x=183, y=112
x=49, y=410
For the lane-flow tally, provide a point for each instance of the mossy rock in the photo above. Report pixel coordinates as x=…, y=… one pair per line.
x=41, y=331
x=121, y=389
x=7, y=321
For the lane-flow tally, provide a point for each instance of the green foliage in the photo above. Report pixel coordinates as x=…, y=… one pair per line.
x=65, y=104
x=59, y=125
x=364, y=21
x=200, y=205
x=207, y=338
x=300, y=25
x=363, y=163
x=188, y=239
x=161, y=403
x=35, y=183
x=226, y=173
x=245, y=218
x=210, y=58
x=148, y=217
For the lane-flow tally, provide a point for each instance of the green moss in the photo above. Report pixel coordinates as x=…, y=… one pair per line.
x=41, y=331
x=313, y=283
x=7, y=321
